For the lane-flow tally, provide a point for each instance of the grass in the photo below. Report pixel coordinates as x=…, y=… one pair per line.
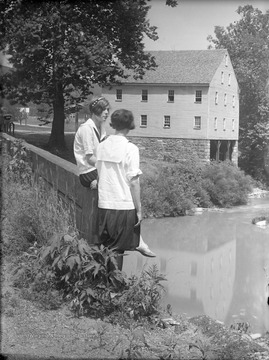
x=39, y=137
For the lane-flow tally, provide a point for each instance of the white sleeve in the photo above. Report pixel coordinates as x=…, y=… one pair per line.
x=132, y=162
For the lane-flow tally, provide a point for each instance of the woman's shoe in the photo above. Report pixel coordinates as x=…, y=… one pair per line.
x=145, y=251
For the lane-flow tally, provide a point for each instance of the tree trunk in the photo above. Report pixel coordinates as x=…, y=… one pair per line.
x=57, y=140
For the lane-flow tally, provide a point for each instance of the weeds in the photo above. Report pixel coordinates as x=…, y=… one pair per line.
x=83, y=273
x=143, y=293
x=205, y=347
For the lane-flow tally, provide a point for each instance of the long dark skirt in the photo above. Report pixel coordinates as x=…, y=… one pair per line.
x=117, y=229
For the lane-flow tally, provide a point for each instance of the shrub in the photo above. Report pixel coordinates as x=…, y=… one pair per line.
x=174, y=190
x=143, y=294
x=226, y=184
x=87, y=275
x=89, y=278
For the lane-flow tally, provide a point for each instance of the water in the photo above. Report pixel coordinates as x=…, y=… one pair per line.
x=216, y=263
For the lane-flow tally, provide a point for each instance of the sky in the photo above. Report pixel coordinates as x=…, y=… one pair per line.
x=187, y=26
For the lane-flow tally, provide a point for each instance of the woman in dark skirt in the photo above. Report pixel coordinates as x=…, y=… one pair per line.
x=119, y=189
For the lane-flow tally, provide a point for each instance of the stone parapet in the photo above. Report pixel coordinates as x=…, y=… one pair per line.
x=62, y=176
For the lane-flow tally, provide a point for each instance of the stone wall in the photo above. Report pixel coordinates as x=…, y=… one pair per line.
x=174, y=149
x=62, y=176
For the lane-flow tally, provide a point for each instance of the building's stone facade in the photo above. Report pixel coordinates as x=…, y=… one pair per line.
x=174, y=149
x=177, y=149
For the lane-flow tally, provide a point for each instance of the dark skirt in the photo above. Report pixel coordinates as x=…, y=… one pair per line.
x=117, y=229
x=88, y=178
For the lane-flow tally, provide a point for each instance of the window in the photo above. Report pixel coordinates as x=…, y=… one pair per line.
x=233, y=125
x=222, y=77
x=144, y=95
x=225, y=99
x=166, y=124
x=171, y=95
x=198, y=96
x=119, y=95
x=215, y=123
x=224, y=124
x=233, y=101
x=229, y=79
x=197, y=122
x=143, y=121
x=216, y=98
x=226, y=60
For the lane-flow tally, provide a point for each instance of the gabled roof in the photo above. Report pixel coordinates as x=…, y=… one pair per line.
x=184, y=67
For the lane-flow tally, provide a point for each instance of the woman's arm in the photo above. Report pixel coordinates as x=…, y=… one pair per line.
x=135, y=192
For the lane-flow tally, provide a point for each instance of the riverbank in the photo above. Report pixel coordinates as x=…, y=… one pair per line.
x=31, y=333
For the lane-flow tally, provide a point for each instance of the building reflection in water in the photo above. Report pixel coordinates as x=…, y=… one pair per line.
x=207, y=264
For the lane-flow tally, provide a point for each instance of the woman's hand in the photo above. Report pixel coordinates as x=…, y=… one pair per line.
x=139, y=218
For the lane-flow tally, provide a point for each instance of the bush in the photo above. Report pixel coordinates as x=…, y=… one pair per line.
x=173, y=190
x=226, y=184
x=143, y=294
x=89, y=278
x=87, y=275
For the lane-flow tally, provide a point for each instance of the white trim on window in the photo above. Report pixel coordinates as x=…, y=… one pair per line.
x=215, y=123
x=197, y=123
x=233, y=124
x=143, y=121
x=224, y=124
x=233, y=100
x=216, y=98
x=226, y=59
x=222, y=77
x=229, y=79
x=171, y=95
x=144, y=95
x=225, y=99
x=198, y=96
x=167, y=122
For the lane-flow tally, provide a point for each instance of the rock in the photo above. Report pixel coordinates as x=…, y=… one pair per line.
x=262, y=223
x=255, y=336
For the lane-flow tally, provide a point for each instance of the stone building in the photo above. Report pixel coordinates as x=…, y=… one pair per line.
x=190, y=101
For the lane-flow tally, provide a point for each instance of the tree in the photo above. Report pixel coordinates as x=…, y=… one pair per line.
x=247, y=42
x=59, y=48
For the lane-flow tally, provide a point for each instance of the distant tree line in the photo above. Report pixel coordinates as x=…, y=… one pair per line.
x=247, y=42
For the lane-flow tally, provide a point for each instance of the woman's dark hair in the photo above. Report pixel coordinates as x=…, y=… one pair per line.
x=122, y=119
x=97, y=106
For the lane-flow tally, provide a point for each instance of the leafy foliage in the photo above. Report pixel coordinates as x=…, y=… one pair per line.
x=143, y=294
x=18, y=166
x=60, y=49
x=89, y=278
x=226, y=184
x=172, y=189
x=84, y=273
x=175, y=189
x=247, y=43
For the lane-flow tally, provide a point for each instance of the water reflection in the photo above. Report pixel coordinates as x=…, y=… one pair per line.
x=215, y=263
